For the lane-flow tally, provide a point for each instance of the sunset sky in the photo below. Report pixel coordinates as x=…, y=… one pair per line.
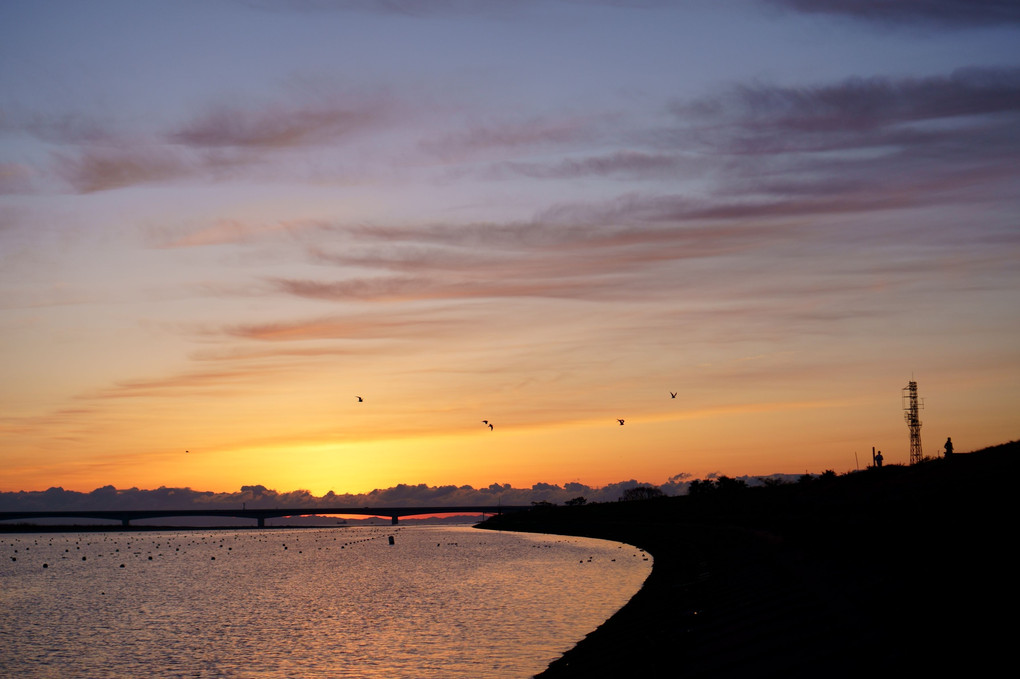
x=221, y=222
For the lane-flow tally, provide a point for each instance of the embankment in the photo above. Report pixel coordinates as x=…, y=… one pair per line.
x=897, y=569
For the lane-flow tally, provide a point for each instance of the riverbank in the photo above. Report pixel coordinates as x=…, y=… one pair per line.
x=899, y=568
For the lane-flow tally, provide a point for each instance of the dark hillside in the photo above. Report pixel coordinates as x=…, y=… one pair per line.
x=900, y=568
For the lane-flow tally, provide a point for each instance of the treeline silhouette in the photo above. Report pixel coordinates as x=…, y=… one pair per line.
x=897, y=568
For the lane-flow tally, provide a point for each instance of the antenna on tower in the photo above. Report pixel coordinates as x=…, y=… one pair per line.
x=911, y=413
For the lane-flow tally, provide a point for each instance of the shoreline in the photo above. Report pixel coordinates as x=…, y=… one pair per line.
x=892, y=568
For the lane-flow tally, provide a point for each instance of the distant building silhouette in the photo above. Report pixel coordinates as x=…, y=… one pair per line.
x=949, y=447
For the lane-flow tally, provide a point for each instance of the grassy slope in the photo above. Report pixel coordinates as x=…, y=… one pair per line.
x=902, y=568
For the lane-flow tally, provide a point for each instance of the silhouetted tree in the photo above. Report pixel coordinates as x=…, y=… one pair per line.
x=699, y=487
x=725, y=484
x=576, y=502
x=640, y=493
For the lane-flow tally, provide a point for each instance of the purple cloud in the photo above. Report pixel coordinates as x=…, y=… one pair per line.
x=856, y=112
x=105, y=168
x=622, y=164
x=580, y=252
x=213, y=144
x=534, y=133
x=856, y=145
x=943, y=13
x=274, y=127
x=401, y=495
x=16, y=178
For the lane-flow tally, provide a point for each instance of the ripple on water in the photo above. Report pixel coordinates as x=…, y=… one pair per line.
x=439, y=602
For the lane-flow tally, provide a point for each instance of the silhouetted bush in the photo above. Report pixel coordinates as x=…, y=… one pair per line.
x=640, y=493
x=722, y=485
x=725, y=484
x=699, y=487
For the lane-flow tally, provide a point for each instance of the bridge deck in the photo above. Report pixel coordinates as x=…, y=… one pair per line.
x=125, y=516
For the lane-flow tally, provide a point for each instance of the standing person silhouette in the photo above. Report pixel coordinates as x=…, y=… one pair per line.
x=949, y=447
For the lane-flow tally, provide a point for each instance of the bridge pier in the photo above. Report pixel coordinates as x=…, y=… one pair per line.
x=394, y=520
x=125, y=522
x=262, y=522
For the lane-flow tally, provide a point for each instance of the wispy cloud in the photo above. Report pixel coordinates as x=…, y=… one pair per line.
x=105, y=168
x=277, y=126
x=210, y=380
x=16, y=178
x=857, y=145
x=528, y=134
x=943, y=13
x=875, y=111
x=375, y=325
x=224, y=231
x=258, y=496
x=621, y=164
x=214, y=143
x=408, y=8
x=555, y=257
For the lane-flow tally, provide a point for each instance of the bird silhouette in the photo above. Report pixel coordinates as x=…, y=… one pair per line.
x=672, y=394
x=485, y=421
x=359, y=399
x=490, y=427
x=621, y=422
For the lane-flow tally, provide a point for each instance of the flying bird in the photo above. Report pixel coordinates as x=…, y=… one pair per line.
x=621, y=422
x=672, y=394
x=485, y=421
x=490, y=427
x=359, y=399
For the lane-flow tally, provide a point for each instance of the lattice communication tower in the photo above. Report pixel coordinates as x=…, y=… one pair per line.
x=911, y=413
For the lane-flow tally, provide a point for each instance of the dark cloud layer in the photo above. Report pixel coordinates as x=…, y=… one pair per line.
x=401, y=495
x=944, y=13
x=857, y=145
x=855, y=111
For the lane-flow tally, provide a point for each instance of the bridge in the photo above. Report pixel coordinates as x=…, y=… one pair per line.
x=126, y=516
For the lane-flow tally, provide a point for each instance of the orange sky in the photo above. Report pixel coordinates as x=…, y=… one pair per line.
x=781, y=217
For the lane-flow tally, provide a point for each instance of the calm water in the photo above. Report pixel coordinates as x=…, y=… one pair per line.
x=440, y=602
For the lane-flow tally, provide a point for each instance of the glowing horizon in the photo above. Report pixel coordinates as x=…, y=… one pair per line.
x=782, y=212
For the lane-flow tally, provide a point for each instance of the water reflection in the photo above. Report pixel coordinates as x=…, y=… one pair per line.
x=438, y=602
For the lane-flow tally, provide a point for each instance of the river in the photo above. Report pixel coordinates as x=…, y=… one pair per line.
x=334, y=602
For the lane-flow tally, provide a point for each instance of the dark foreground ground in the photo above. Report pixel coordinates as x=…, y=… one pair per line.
x=900, y=569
